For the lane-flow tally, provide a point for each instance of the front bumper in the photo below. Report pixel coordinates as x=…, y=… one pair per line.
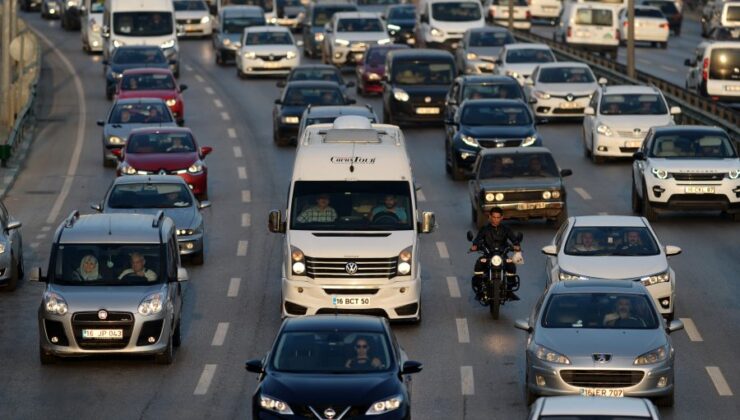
x=402, y=37
x=529, y=209
x=196, y=29
x=673, y=194
x=347, y=55
x=616, y=146
x=409, y=111
x=560, y=107
x=478, y=67
x=259, y=66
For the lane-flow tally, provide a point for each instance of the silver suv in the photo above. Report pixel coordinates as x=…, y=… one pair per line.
x=113, y=286
x=348, y=36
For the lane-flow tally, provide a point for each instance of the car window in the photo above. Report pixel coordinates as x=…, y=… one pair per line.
x=142, y=23
x=667, y=7
x=97, y=6
x=494, y=115
x=650, y=13
x=595, y=17
x=329, y=75
x=724, y=63
x=490, y=39
x=178, y=142
x=633, y=104
x=600, y=311
x=108, y=264
x=148, y=82
x=402, y=13
x=456, y=11
x=565, y=75
x=611, y=241
x=268, y=38
x=492, y=91
x=360, y=25
x=189, y=6
x=733, y=14
x=530, y=165
x=302, y=96
x=423, y=72
x=149, y=196
x=141, y=113
x=692, y=145
x=236, y=24
x=138, y=55
x=506, y=2
x=529, y=55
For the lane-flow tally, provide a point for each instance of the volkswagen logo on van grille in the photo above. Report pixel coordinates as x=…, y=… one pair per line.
x=351, y=268
x=102, y=314
x=602, y=357
x=329, y=413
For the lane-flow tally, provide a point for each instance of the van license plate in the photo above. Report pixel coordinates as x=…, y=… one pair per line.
x=427, y=111
x=699, y=190
x=732, y=88
x=103, y=334
x=349, y=301
x=602, y=392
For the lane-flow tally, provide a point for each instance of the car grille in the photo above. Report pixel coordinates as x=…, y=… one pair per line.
x=271, y=57
x=489, y=143
x=188, y=21
x=632, y=134
x=90, y=320
x=575, y=97
x=338, y=268
x=602, y=378
x=305, y=411
x=698, y=176
x=351, y=291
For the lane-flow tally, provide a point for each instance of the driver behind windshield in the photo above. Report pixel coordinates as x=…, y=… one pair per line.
x=391, y=208
x=138, y=269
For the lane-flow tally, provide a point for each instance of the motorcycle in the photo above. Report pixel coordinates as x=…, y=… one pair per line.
x=497, y=283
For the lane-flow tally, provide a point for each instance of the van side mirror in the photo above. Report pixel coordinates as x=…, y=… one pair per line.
x=639, y=155
x=671, y=250
x=278, y=101
x=566, y=172
x=97, y=207
x=182, y=274
x=427, y=222
x=424, y=19
x=327, y=28
x=275, y=222
x=602, y=81
x=550, y=250
x=35, y=275
x=100, y=122
x=254, y=366
x=410, y=367
x=498, y=62
x=674, y=326
x=589, y=111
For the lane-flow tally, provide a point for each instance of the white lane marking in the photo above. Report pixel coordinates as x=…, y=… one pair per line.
x=199, y=78
x=234, y=284
x=467, y=380
x=242, y=171
x=46, y=228
x=454, y=287
x=41, y=236
x=420, y=196
x=220, y=335
x=225, y=116
x=74, y=162
x=205, y=380
x=241, y=249
x=643, y=61
x=246, y=196
x=246, y=220
x=218, y=103
x=188, y=68
x=209, y=90
x=231, y=132
x=691, y=330
x=583, y=193
x=463, y=334
x=723, y=388
x=237, y=152
x=670, y=69
x=442, y=249
x=35, y=244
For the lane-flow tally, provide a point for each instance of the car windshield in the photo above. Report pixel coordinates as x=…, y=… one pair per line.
x=322, y=15
x=633, y=104
x=566, y=75
x=189, y=5
x=150, y=196
x=376, y=56
x=268, y=38
x=529, y=55
x=725, y=64
x=648, y=12
x=143, y=56
x=157, y=142
x=236, y=24
x=506, y=2
x=600, y=311
x=690, y=145
x=304, y=96
x=456, y=11
x=359, y=25
x=266, y=5
x=422, y=72
x=142, y=23
x=402, y=13
x=595, y=17
x=377, y=2
x=490, y=39
x=611, y=241
x=355, y=205
x=332, y=352
x=141, y=113
x=148, y=82
x=329, y=75
x=492, y=91
x=97, y=6
x=494, y=115
x=733, y=14
x=518, y=165
x=108, y=265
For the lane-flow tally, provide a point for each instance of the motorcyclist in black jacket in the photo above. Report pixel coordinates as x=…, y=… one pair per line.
x=494, y=235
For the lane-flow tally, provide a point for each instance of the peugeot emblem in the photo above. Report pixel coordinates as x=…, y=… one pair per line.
x=351, y=268
x=602, y=357
x=102, y=314
x=569, y=97
x=329, y=412
x=428, y=99
x=162, y=172
x=636, y=131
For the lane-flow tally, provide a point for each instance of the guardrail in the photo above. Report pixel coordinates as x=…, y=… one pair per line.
x=695, y=109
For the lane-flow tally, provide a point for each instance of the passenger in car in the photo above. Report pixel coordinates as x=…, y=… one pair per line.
x=138, y=269
x=88, y=269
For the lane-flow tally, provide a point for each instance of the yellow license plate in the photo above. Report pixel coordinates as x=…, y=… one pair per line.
x=699, y=190
x=427, y=111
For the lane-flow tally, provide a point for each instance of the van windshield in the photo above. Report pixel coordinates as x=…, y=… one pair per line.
x=596, y=17
x=189, y=5
x=421, y=72
x=108, y=264
x=142, y=23
x=725, y=64
x=266, y=5
x=733, y=14
x=456, y=11
x=351, y=206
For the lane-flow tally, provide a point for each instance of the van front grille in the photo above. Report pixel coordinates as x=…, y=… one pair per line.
x=351, y=268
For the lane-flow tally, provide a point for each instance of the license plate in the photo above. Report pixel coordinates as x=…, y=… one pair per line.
x=530, y=206
x=582, y=34
x=102, y=334
x=549, y=8
x=732, y=88
x=427, y=111
x=569, y=105
x=632, y=144
x=699, y=190
x=602, y=392
x=272, y=64
x=349, y=301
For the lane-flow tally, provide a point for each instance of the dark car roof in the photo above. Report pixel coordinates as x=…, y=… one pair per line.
x=334, y=323
x=417, y=53
x=388, y=47
x=158, y=129
x=337, y=110
x=498, y=151
x=501, y=102
x=312, y=84
x=677, y=129
x=487, y=78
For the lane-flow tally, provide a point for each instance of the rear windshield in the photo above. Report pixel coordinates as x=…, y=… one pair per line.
x=323, y=14
x=692, y=145
x=419, y=72
x=402, y=13
x=147, y=82
x=667, y=7
x=189, y=5
x=268, y=38
x=146, y=113
x=506, y=2
x=266, y=5
x=733, y=14
x=533, y=55
x=494, y=115
x=492, y=91
x=596, y=17
x=327, y=120
x=518, y=165
x=236, y=24
x=144, y=56
x=329, y=75
x=456, y=11
x=359, y=25
x=150, y=196
x=650, y=13
x=142, y=23
x=490, y=39
x=725, y=64
x=177, y=142
x=566, y=75
x=600, y=311
x=633, y=104
x=303, y=96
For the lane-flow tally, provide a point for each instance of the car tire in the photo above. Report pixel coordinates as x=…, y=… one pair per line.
x=279, y=141
x=668, y=400
x=636, y=202
x=176, y=337
x=197, y=258
x=648, y=210
x=167, y=356
x=46, y=358
x=107, y=163
x=530, y=396
x=586, y=152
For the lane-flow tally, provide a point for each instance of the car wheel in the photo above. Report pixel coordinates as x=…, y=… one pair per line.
x=46, y=358
x=648, y=210
x=176, y=338
x=457, y=173
x=13, y=280
x=279, y=141
x=586, y=152
x=636, y=203
x=197, y=258
x=167, y=356
x=666, y=401
x=531, y=397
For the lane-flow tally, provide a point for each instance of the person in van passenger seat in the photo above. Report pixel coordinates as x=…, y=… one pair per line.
x=88, y=269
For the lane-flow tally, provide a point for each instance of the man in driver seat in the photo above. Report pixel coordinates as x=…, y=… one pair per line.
x=138, y=269
x=390, y=206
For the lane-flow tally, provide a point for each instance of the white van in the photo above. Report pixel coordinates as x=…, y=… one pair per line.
x=442, y=23
x=545, y=9
x=141, y=22
x=351, y=224
x=715, y=71
x=591, y=26
x=91, y=20
x=498, y=13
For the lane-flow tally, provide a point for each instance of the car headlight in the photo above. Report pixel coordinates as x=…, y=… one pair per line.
x=171, y=102
x=436, y=32
x=404, y=262
x=663, y=277
x=529, y=140
x=275, y=405
x=470, y=141
x=151, y=304
x=341, y=42
x=196, y=167
x=564, y=275
x=653, y=356
x=385, y=406
x=127, y=169
x=471, y=56
x=392, y=27
x=115, y=140
x=384, y=41
x=556, y=194
x=490, y=197
x=373, y=76
x=551, y=356
x=250, y=55
x=400, y=95
x=541, y=95
x=117, y=43
x=734, y=174
x=290, y=55
x=604, y=129
x=205, y=19
x=298, y=260
x=499, y=196
x=55, y=304
x=226, y=41
x=660, y=173
x=291, y=119
x=546, y=195
x=318, y=37
x=167, y=44
x=496, y=261
x=2, y=247
x=95, y=27
x=513, y=74
x=185, y=232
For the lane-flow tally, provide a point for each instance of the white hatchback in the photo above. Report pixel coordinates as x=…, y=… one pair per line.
x=520, y=60
x=266, y=50
x=651, y=26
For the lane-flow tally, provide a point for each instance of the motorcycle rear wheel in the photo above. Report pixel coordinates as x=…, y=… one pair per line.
x=495, y=298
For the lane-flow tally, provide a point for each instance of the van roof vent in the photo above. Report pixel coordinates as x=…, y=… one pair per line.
x=352, y=135
x=352, y=121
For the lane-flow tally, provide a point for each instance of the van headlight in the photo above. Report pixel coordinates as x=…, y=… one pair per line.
x=127, y=169
x=471, y=56
x=151, y=304
x=384, y=41
x=436, y=32
x=297, y=261
x=663, y=277
x=385, y=406
x=171, y=102
x=117, y=43
x=734, y=174
x=529, y=140
x=205, y=19
x=167, y=44
x=275, y=405
x=404, y=262
x=196, y=167
x=660, y=173
x=470, y=141
x=115, y=140
x=55, y=304
x=400, y=95
x=604, y=129
x=653, y=356
x=551, y=356
x=564, y=275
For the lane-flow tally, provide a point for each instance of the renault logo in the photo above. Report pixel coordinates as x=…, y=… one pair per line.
x=569, y=97
x=329, y=413
x=351, y=268
x=428, y=99
x=102, y=314
x=272, y=57
x=602, y=357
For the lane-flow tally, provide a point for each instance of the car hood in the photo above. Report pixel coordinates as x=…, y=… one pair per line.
x=123, y=130
x=163, y=94
x=434, y=91
x=157, y=161
x=184, y=218
x=485, y=53
x=613, y=268
x=630, y=122
x=456, y=27
x=370, y=37
x=120, y=68
x=566, y=88
x=693, y=165
x=497, y=131
x=287, y=110
x=579, y=345
x=520, y=183
x=191, y=14
x=110, y=298
x=269, y=49
x=314, y=389
x=375, y=244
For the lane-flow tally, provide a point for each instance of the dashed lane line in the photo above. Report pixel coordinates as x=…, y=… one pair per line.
x=234, y=284
x=463, y=334
x=246, y=220
x=220, y=335
x=723, y=388
x=225, y=116
x=199, y=78
x=467, y=381
x=41, y=236
x=209, y=90
x=670, y=69
x=46, y=228
x=583, y=193
x=242, y=172
x=691, y=330
x=231, y=132
x=442, y=249
x=246, y=196
x=35, y=244
x=454, y=287
x=188, y=67
x=218, y=103
x=238, y=152
x=241, y=249
x=205, y=380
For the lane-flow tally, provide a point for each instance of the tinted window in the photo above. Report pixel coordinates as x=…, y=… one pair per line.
x=692, y=145
x=600, y=311
x=189, y=5
x=138, y=55
x=359, y=25
x=487, y=115
x=302, y=96
x=322, y=15
x=566, y=75
x=266, y=5
x=456, y=11
x=597, y=17
x=142, y=23
x=725, y=64
x=110, y=265
x=518, y=165
x=402, y=13
x=420, y=72
x=268, y=38
x=733, y=14
x=329, y=75
x=147, y=113
x=490, y=39
x=506, y=2
x=633, y=104
x=667, y=7
x=161, y=143
x=377, y=2
x=96, y=6
x=150, y=196
x=651, y=13
x=148, y=82
x=611, y=241
x=491, y=91
x=529, y=55
x=236, y=24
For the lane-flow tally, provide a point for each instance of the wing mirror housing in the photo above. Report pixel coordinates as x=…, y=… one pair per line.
x=206, y=150
x=550, y=250
x=603, y=81
x=254, y=366
x=671, y=250
x=278, y=101
x=182, y=274
x=204, y=204
x=566, y=172
x=470, y=236
x=427, y=222
x=522, y=324
x=589, y=111
x=275, y=222
x=97, y=207
x=183, y=87
x=674, y=326
x=410, y=367
x=639, y=155
x=100, y=123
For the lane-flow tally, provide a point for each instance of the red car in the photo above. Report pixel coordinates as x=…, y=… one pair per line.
x=153, y=83
x=166, y=151
x=371, y=69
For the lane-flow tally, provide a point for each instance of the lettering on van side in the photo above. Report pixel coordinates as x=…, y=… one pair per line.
x=352, y=159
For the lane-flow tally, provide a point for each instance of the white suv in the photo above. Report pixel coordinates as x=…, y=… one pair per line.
x=686, y=167
x=618, y=118
x=348, y=36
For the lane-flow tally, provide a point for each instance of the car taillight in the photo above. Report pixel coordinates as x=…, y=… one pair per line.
x=570, y=32
x=529, y=14
x=664, y=26
x=625, y=23
x=705, y=69
x=493, y=13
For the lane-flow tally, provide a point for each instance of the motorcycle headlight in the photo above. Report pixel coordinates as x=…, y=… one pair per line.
x=55, y=304
x=341, y=42
x=115, y=140
x=298, y=260
x=275, y=405
x=653, y=356
x=373, y=76
x=436, y=32
x=663, y=277
x=171, y=102
x=660, y=173
x=385, y=406
x=117, y=43
x=496, y=261
x=291, y=119
x=151, y=304
x=541, y=95
x=167, y=44
x=529, y=140
x=196, y=167
x=546, y=195
x=384, y=41
x=205, y=19
x=318, y=37
x=290, y=55
x=404, y=262
x=564, y=275
x=250, y=55
x=400, y=95
x=604, y=129
x=547, y=355
x=127, y=169
x=471, y=56
x=734, y=174
x=469, y=140
x=392, y=27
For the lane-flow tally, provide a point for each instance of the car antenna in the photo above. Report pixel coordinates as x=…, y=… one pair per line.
x=110, y=227
x=352, y=163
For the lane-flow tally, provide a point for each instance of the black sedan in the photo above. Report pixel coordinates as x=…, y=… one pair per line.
x=481, y=87
x=286, y=115
x=318, y=72
x=328, y=366
x=486, y=123
x=400, y=21
x=523, y=181
x=131, y=57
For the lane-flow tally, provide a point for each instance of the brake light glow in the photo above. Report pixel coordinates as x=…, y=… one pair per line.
x=705, y=69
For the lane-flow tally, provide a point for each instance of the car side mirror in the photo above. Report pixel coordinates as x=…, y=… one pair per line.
x=280, y=83
x=278, y=101
x=675, y=110
x=254, y=366
x=427, y=222
x=183, y=88
x=13, y=225
x=566, y=172
x=100, y=123
x=589, y=111
x=36, y=275
x=206, y=150
x=182, y=274
x=522, y=324
x=470, y=236
x=550, y=250
x=639, y=155
x=275, y=222
x=674, y=326
x=410, y=367
x=204, y=204
x=173, y=62
x=450, y=121
x=602, y=81
x=424, y=19
x=671, y=250
x=351, y=101
x=350, y=84
x=97, y=207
